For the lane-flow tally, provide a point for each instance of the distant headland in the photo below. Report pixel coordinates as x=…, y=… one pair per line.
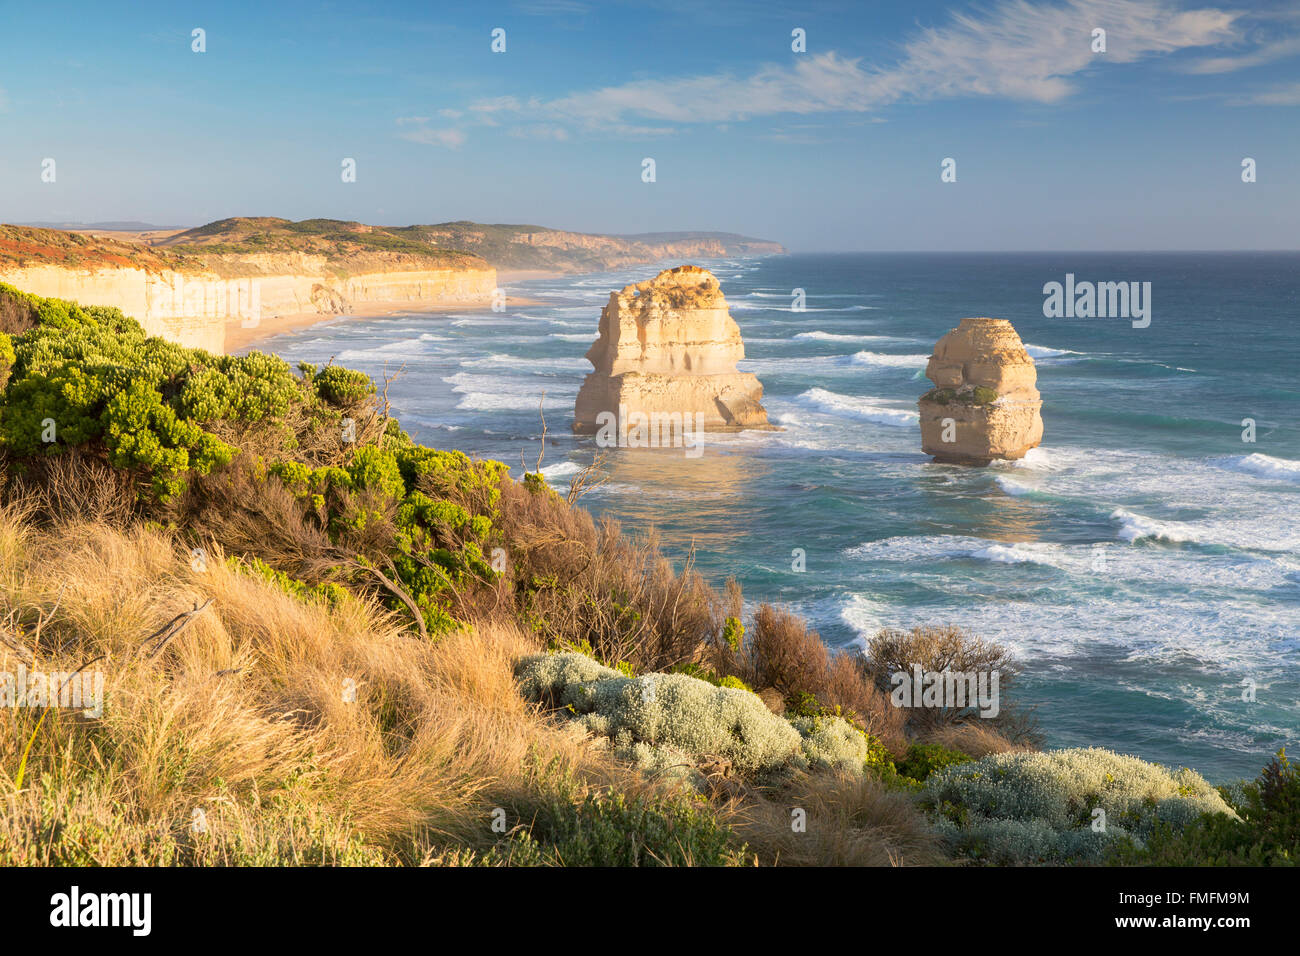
x=224, y=284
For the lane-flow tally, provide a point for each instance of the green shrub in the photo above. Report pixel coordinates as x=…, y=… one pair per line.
x=607, y=828
x=327, y=593
x=1266, y=832
x=342, y=386
x=924, y=759
x=703, y=673
x=968, y=395
x=419, y=519
x=940, y=396
x=733, y=633
x=1024, y=807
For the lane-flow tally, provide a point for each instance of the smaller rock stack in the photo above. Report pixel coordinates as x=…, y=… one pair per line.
x=985, y=403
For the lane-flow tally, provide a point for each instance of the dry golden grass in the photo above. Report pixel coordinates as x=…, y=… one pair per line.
x=975, y=738
x=846, y=821
x=243, y=715
x=241, y=721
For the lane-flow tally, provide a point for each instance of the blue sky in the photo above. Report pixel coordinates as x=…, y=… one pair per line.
x=837, y=148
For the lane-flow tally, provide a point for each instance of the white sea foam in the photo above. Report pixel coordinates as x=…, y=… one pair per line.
x=498, y=393
x=1017, y=553
x=496, y=401
x=482, y=320
x=573, y=336
x=1038, y=459
x=1133, y=527
x=502, y=360
x=1043, y=351
x=864, y=616
x=820, y=336
x=864, y=409
x=1014, y=488
x=1263, y=466
x=892, y=361
x=560, y=469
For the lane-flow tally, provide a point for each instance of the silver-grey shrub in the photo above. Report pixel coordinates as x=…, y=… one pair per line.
x=832, y=743
x=670, y=713
x=1025, y=807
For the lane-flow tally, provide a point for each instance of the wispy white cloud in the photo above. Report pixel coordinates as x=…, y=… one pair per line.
x=417, y=130
x=539, y=131
x=1016, y=50
x=1268, y=52
x=1278, y=96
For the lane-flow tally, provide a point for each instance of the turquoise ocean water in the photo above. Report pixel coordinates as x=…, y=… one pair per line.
x=1143, y=562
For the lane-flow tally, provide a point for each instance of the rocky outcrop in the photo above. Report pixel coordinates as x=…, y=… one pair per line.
x=985, y=403
x=668, y=347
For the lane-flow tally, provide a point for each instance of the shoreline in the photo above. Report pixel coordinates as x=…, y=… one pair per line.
x=239, y=338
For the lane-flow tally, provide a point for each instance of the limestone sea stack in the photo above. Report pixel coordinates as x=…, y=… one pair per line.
x=985, y=402
x=668, y=347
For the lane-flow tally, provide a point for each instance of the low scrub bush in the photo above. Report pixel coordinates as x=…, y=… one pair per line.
x=304, y=473
x=681, y=714
x=575, y=826
x=779, y=652
x=924, y=759
x=577, y=580
x=893, y=655
x=832, y=743
x=1266, y=831
x=1060, y=806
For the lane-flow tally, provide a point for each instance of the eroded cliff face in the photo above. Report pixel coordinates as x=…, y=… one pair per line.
x=985, y=404
x=193, y=308
x=668, y=347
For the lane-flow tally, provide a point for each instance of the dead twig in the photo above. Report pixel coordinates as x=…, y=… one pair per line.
x=160, y=638
x=589, y=479
x=397, y=591
x=541, y=410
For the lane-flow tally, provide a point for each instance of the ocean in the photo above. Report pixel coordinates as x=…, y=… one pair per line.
x=1142, y=563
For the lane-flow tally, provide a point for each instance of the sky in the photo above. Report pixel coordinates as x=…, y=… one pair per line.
x=839, y=147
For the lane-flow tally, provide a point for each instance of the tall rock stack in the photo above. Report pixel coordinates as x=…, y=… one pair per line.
x=669, y=346
x=985, y=402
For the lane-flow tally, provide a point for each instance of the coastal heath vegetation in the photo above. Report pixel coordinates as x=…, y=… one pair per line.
x=324, y=643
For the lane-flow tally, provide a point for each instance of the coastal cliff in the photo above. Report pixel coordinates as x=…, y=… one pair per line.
x=669, y=346
x=985, y=403
x=191, y=285
x=186, y=285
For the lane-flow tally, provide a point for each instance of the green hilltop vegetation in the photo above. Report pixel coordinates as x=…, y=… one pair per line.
x=328, y=237
x=503, y=246
x=325, y=643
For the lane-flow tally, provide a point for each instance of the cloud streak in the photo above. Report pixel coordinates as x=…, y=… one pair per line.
x=1017, y=50
x=417, y=130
